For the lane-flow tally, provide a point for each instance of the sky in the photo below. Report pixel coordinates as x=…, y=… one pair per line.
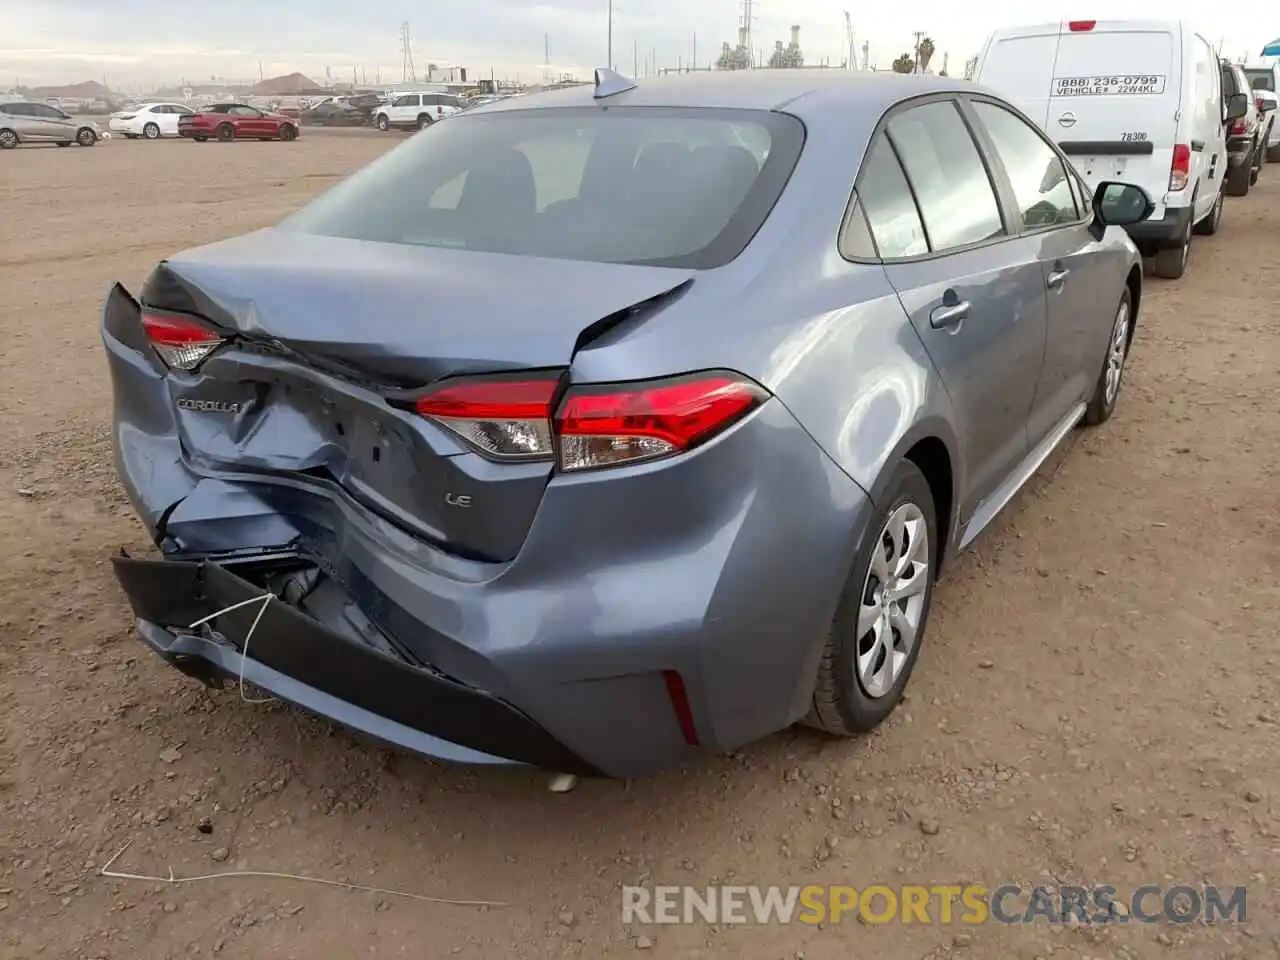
x=139, y=44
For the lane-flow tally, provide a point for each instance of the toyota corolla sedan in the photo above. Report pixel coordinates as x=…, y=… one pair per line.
x=595, y=429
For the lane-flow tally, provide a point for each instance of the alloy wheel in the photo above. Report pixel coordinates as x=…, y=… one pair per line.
x=893, y=601
x=1117, y=353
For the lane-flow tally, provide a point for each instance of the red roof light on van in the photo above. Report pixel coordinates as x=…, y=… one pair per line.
x=1081, y=26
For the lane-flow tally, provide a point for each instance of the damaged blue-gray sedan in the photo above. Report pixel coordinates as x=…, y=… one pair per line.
x=594, y=429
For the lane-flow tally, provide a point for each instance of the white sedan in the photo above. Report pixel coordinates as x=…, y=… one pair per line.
x=149, y=120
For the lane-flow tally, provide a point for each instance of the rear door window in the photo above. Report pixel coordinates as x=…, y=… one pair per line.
x=884, y=196
x=947, y=174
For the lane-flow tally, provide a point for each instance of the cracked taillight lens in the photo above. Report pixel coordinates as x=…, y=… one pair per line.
x=182, y=344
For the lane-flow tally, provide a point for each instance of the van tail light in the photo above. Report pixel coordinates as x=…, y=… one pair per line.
x=1180, y=170
x=1260, y=105
x=1239, y=126
x=591, y=426
x=181, y=342
x=439, y=110
x=1081, y=26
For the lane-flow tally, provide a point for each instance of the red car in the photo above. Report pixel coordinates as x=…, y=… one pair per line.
x=237, y=121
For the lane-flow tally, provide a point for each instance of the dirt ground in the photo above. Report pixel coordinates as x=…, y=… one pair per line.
x=1096, y=702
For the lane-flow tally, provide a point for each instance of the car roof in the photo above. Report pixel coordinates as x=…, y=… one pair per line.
x=796, y=91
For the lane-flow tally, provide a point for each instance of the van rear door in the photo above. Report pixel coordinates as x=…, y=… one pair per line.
x=1018, y=64
x=1114, y=100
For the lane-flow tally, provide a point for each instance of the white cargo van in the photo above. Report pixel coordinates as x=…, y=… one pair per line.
x=1133, y=100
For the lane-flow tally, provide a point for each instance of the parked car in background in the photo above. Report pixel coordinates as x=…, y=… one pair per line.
x=1265, y=81
x=1246, y=143
x=149, y=120
x=415, y=110
x=24, y=121
x=236, y=121
x=543, y=521
x=335, y=113
x=1134, y=100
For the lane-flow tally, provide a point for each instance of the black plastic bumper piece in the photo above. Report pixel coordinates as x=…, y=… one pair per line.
x=168, y=595
x=1168, y=231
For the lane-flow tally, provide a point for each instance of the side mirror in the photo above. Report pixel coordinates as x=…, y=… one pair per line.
x=1237, y=106
x=1121, y=204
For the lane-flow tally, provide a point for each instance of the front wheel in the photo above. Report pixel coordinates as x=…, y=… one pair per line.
x=151, y=131
x=383, y=123
x=288, y=134
x=86, y=137
x=875, y=637
x=1107, y=390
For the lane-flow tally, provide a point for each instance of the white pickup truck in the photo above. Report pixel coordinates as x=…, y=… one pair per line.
x=1265, y=81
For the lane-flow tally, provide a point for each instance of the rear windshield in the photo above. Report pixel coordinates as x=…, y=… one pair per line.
x=657, y=186
x=1262, y=80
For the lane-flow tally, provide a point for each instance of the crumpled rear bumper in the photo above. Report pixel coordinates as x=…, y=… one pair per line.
x=298, y=659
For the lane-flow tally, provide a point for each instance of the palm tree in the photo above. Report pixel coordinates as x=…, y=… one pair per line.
x=905, y=63
x=925, y=53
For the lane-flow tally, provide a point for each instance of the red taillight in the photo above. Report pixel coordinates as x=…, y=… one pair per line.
x=1239, y=126
x=1180, y=170
x=507, y=419
x=182, y=343
x=1260, y=105
x=439, y=111
x=598, y=425
x=1081, y=26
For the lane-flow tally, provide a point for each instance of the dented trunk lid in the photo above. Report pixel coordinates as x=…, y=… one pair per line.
x=327, y=330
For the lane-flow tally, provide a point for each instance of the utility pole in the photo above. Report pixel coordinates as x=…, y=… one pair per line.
x=407, y=71
x=635, y=58
x=919, y=35
x=610, y=34
x=695, y=50
x=848, y=32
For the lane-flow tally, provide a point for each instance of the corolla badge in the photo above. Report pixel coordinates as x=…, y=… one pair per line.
x=208, y=406
x=1068, y=119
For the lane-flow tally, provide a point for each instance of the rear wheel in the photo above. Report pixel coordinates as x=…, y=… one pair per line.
x=1239, y=179
x=1171, y=263
x=875, y=638
x=86, y=137
x=1209, y=225
x=226, y=133
x=424, y=121
x=151, y=131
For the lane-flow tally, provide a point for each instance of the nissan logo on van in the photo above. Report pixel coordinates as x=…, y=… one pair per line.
x=1068, y=119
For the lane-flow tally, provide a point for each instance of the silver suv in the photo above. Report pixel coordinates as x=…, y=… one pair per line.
x=27, y=122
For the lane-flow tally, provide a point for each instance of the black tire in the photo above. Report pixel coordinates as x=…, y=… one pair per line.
x=288, y=133
x=8, y=138
x=1210, y=224
x=1171, y=263
x=383, y=123
x=1103, y=402
x=151, y=131
x=424, y=121
x=841, y=704
x=1273, y=153
x=64, y=143
x=131, y=136
x=200, y=139
x=1255, y=168
x=1239, y=180
x=226, y=133
x=85, y=137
